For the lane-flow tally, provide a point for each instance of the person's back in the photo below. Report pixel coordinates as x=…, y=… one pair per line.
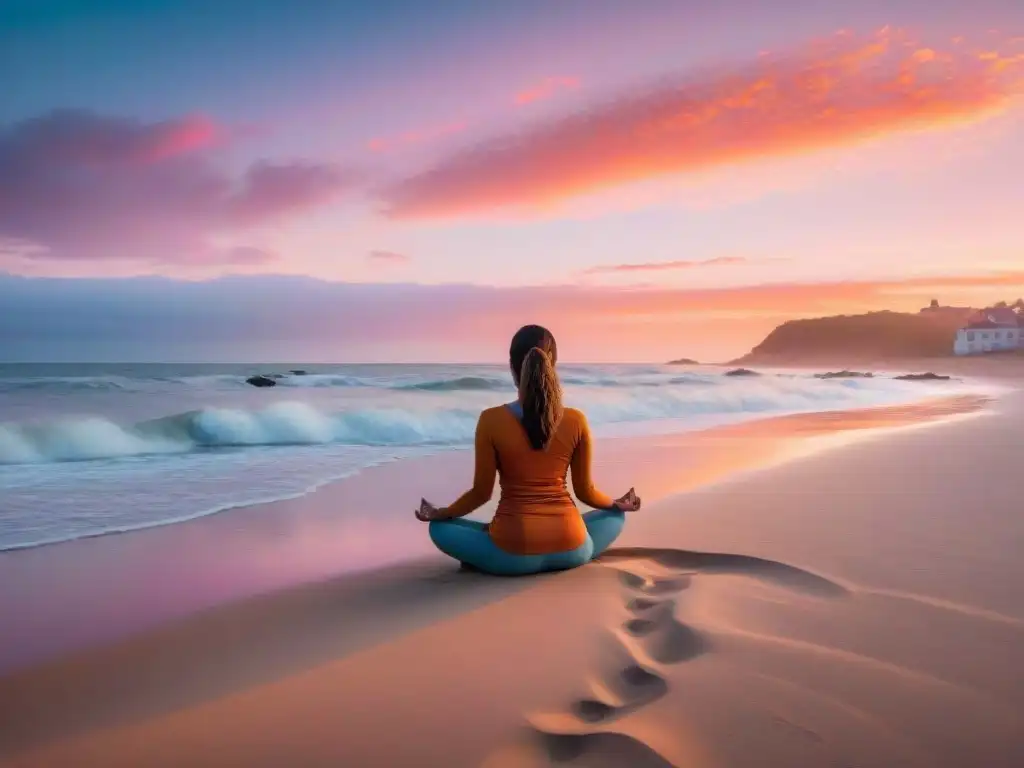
x=531, y=445
x=536, y=514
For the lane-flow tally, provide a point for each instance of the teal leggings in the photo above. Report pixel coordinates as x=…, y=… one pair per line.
x=469, y=542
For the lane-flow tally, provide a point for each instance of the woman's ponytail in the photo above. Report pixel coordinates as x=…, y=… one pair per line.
x=541, y=396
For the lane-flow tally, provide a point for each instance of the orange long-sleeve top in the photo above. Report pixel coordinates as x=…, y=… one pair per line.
x=535, y=513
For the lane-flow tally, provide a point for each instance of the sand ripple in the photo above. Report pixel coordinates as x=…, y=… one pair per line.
x=609, y=726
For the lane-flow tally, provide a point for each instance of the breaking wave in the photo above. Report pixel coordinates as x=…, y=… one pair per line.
x=471, y=383
x=76, y=384
x=296, y=423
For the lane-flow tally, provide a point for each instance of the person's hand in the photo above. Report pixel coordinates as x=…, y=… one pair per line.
x=427, y=512
x=630, y=502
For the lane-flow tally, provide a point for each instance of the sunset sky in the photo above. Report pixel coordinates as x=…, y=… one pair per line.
x=411, y=181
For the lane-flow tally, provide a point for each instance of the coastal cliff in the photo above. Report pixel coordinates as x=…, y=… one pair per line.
x=872, y=336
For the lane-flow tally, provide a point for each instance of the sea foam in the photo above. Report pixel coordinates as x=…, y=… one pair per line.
x=437, y=422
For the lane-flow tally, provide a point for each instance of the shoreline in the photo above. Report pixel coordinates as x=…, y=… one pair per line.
x=244, y=552
x=231, y=507
x=827, y=619
x=619, y=431
x=995, y=367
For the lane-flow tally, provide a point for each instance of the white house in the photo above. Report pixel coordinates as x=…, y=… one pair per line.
x=997, y=329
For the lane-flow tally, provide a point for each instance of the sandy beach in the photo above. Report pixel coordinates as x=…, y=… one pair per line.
x=312, y=313
x=820, y=590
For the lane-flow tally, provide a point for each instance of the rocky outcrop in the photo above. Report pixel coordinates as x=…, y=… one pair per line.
x=871, y=337
x=261, y=381
x=742, y=372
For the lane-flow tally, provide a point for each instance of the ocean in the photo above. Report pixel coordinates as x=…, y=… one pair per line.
x=88, y=450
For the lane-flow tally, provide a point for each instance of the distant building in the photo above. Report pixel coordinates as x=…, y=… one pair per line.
x=936, y=309
x=996, y=329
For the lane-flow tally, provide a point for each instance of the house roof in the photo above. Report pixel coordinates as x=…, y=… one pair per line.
x=988, y=325
x=983, y=325
x=995, y=317
x=1001, y=316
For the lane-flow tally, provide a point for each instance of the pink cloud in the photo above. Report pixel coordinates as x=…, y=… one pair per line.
x=387, y=257
x=76, y=185
x=545, y=89
x=247, y=255
x=827, y=93
x=414, y=137
x=80, y=138
x=180, y=137
x=666, y=266
x=269, y=189
x=11, y=248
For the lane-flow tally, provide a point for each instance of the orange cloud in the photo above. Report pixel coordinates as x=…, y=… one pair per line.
x=419, y=136
x=786, y=299
x=545, y=89
x=833, y=92
x=666, y=266
x=387, y=257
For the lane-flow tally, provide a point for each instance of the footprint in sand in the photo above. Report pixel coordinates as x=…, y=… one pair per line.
x=591, y=750
x=649, y=587
x=652, y=638
x=666, y=640
x=770, y=571
x=633, y=687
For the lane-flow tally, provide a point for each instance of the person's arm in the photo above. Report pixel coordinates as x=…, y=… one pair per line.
x=483, y=476
x=582, y=483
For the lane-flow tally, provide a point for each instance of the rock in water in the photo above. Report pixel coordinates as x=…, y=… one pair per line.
x=844, y=375
x=261, y=381
x=929, y=376
x=742, y=372
x=298, y=372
